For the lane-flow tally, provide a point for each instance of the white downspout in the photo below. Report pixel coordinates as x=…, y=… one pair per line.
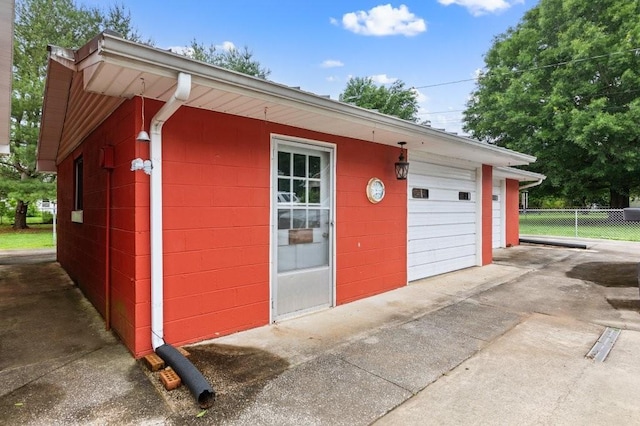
x=155, y=152
x=531, y=185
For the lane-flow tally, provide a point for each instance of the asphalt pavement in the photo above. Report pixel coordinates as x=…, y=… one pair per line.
x=501, y=344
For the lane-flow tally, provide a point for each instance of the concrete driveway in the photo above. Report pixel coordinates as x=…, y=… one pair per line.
x=57, y=363
x=501, y=344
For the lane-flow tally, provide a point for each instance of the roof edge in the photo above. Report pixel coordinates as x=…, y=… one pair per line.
x=114, y=48
x=518, y=174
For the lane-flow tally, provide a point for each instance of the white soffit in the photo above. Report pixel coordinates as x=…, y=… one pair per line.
x=6, y=64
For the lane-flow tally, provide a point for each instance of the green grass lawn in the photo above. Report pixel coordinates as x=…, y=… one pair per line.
x=603, y=225
x=37, y=236
x=560, y=224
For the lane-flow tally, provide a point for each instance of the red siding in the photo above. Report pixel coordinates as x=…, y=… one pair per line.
x=371, y=238
x=216, y=220
x=216, y=195
x=512, y=221
x=487, y=214
x=81, y=246
x=216, y=225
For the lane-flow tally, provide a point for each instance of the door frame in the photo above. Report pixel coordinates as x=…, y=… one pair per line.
x=331, y=149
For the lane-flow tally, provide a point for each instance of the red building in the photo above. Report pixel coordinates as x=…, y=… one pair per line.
x=252, y=201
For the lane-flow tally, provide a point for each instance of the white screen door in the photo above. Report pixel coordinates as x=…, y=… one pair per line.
x=302, y=238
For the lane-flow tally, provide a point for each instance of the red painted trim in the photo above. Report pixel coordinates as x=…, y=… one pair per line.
x=512, y=220
x=487, y=214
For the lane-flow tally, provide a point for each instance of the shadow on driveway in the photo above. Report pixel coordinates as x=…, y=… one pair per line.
x=57, y=363
x=607, y=274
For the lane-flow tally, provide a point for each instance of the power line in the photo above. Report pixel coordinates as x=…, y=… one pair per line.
x=635, y=50
x=444, y=112
x=446, y=83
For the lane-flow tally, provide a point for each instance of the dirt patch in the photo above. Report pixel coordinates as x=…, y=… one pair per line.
x=237, y=374
x=607, y=274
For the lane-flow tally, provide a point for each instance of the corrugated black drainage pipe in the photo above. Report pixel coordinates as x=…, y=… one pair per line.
x=553, y=243
x=189, y=374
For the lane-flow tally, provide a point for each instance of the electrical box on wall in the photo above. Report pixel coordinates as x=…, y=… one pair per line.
x=107, y=157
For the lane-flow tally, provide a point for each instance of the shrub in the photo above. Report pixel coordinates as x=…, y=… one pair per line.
x=47, y=217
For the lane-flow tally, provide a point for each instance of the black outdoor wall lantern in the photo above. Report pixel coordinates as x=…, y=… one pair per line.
x=402, y=166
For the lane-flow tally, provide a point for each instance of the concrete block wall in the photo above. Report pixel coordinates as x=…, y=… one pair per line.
x=81, y=247
x=216, y=194
x=512, y=221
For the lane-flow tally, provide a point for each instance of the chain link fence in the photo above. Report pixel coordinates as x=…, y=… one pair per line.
x=584, y=223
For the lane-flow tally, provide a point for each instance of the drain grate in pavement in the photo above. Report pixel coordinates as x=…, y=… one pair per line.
x=603, y=346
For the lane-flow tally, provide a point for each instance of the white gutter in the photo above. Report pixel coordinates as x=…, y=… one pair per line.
x=519, y=175
x=531, y=185
x=180, y=96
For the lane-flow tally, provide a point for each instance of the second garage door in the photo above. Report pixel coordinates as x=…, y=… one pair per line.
x=442, y=219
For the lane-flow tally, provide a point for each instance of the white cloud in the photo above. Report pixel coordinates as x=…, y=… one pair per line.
x=420, y=97
x=331, y=63
x=384, y=20
x=482, y=7
x=226, y=45
x=334, y=21
x=383, y=79
x=332, y=79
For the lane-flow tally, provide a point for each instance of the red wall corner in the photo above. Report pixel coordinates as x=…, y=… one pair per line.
x=487, y=214
x=512, y=221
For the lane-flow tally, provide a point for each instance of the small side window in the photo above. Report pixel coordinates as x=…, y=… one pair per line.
x=78, y=184
x=78, y=191
x=420, y=193
x=495, y=197
x=464, y=196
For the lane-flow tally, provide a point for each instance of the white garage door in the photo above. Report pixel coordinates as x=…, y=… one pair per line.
x=497, y=214
x=442, y=219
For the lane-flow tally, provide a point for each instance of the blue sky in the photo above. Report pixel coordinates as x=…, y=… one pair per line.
x=319, y=44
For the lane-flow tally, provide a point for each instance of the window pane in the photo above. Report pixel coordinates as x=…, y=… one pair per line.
x=300, y=190
x=299, y=165
x=284, y=190
x=314, y=218
x=284, y=185
x=314, y=192
x=284, y=164
x=299, y=219
x=284, y=218
x=314, y=167
x=420, y=193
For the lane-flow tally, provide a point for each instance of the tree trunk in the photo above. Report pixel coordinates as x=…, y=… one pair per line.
x=20, y=219
x=619, y=200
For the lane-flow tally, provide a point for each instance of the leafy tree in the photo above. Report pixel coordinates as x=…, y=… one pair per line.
x=233, y=59
x=394, y=100
x=564, y=85
x=39, y=23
